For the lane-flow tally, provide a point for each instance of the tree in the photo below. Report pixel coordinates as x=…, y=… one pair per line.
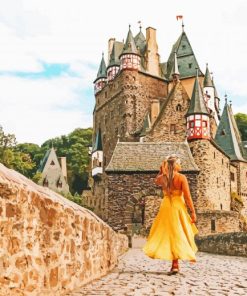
x=75, y=147
x=241, y=120
x=11, y=158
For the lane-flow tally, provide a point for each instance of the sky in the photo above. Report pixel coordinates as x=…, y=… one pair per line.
x=50, y=52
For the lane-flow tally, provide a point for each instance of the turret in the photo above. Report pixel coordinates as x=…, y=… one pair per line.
x=100, y=81
x=97, y=155
x=208, y=89
x=114, y=62
x=130, y=56
x=197, y=117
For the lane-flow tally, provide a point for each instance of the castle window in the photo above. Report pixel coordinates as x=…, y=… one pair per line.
x=224, y=184
x=213, y=225
x=191, y=124
x=232, y=177
x=52, y=163
x=45, y=182
x=204, y=124
x=190, y=65
x=214, y=154
x=223, y=132
x=221, y=206
x=105, y=94
x=178, y=107
x=183, y=46
x=222, y=161
x=173, y=128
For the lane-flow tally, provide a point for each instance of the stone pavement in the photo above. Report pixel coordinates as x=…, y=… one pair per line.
x=138, y=275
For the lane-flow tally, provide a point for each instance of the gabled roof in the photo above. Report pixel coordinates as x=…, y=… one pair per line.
x=51, y=153
x=228, y=136
x=207, y=79
x=140, y=41
x=98, y=142
x=102, y=69
x=115, y=53
x=130, y=46
x=148, y=156
x=197, y=103
x=187, y=62
x=44, y=160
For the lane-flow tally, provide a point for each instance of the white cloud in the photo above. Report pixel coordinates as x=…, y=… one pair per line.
x=75, y=32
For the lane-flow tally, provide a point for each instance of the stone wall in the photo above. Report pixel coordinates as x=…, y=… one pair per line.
x=122, y=105
x=214, y=177
x=243, y=188
x=211, y=222
x=233, y=244
x=49, y=245
x=171, y=123
x=126, y=189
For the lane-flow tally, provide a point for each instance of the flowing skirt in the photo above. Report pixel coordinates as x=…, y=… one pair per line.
x=172, y=233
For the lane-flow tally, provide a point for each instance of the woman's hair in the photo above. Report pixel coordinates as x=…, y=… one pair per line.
x=171, y=164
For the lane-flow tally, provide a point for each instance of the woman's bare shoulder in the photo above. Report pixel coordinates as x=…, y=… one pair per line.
x=182, y=177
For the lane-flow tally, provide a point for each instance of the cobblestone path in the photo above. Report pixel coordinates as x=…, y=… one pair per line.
x=138, y=275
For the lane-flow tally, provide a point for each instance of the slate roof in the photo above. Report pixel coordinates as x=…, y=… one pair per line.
x=130, y=46
x=228, y=136
x=197, y=103
x=185, y=57
x=207, y=79
x=147, y=156
x=102, y=69
x=98, y=142
x=44, y=160
x=140, y=42
x=115, y=53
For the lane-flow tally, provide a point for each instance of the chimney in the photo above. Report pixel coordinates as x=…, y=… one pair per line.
x=110, y=46
x=155, y=109
x=152, y=55
x=63, y=164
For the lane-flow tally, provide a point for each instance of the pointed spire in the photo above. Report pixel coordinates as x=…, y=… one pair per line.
x=197, y=103
x=227, y=135
x=98, y=142
x=207, y=82
x=140, y=40
x=130, y=46
x=102, y=68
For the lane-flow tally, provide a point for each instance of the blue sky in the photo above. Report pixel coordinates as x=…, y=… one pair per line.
x=49, y=57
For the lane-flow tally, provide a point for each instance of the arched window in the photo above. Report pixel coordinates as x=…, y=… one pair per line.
x=179, y=107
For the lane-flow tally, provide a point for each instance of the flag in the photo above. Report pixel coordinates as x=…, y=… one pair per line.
x=179, y=17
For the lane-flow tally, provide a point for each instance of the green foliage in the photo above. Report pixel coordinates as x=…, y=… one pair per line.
x=75, y=147
x=12, y=158
x=241, y=120
x=26, y=157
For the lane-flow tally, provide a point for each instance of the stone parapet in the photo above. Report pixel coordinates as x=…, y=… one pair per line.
x=234, y=244
x=212, y=222
x=50, y=245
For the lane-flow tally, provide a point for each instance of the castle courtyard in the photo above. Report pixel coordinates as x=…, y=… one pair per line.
x=138, y=275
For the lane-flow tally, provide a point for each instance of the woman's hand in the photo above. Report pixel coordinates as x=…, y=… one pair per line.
x=193, y=217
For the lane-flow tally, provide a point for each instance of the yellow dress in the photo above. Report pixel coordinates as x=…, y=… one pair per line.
x=172, y=233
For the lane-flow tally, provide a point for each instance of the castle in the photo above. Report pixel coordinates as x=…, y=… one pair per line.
x=146, y=109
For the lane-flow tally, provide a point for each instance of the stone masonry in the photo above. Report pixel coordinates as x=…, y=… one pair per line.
x=49, y=245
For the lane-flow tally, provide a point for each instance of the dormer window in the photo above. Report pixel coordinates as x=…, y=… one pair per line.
x=183, y=46
x=223, y=132
x=190, y=65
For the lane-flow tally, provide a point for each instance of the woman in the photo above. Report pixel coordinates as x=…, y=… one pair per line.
x=171, y=236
